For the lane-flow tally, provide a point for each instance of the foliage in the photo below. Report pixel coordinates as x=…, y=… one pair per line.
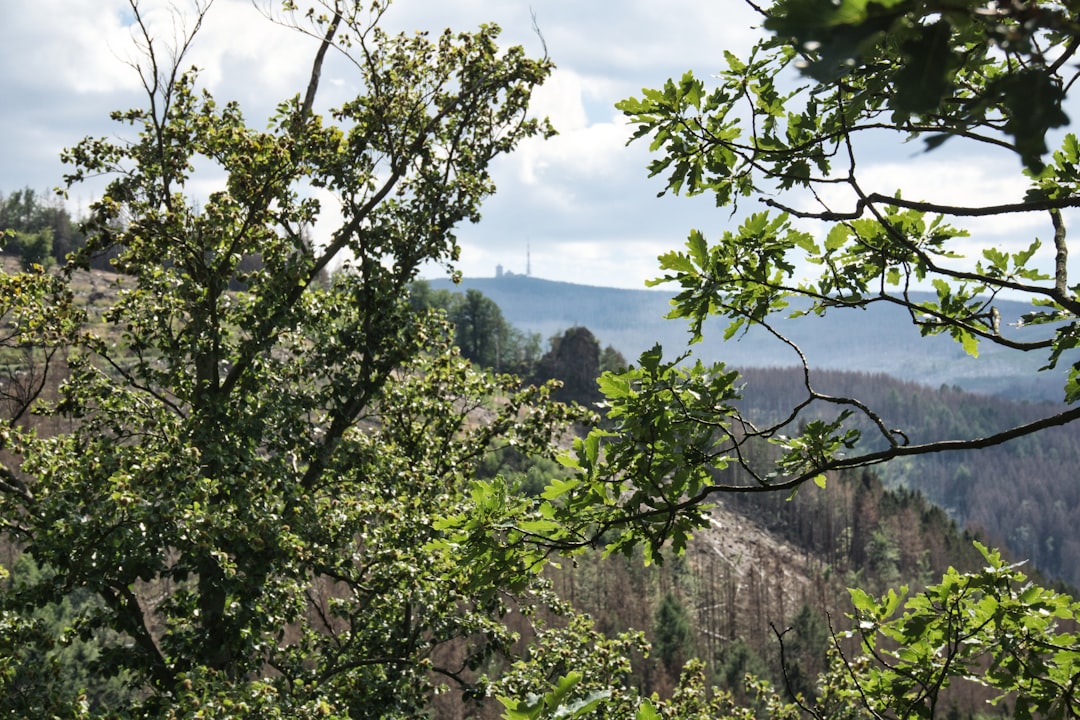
x=39, y=315
x=574, y=360
x=991, y=627
x=254, y=488
x=33, y=248
x=267, y=497
x=45, y=229
x=956, y=68
x=765, y=130
x=487, y=339
x=906, y=654
x=480, y=331
x=589, y=679
x=804, y=646
x=655, y=469
x=478, y=322
x=44, y=659
x=736, y=662
x=791, y=124
x=672, y=631
x=611, y=360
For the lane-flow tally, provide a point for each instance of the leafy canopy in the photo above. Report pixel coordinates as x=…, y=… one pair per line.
x=789, y=125
x=247, y=473
x=792, y=125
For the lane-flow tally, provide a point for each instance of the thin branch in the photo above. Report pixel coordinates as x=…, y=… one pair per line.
x=928, y=207
x=796, y=698
x=936, y=446
x=1061, y=257
x=316, y=68
x=849, y=668
x=11, y=484
x=1070, y=50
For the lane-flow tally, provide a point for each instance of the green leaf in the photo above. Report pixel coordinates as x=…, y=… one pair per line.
x=614, y=386
x=592, y=447
x=647, y=711
x=563, y=687
x=734, y=63
x=650, y=359
x=923, y=78
x=838, y=235
x=1023, y=257
x=1033, y=100
x=559, y=487
x=699, y=249
x=970, y=343
x=861, y=600
x=676, y=261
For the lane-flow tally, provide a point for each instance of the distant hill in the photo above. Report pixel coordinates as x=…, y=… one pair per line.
x=880, y=339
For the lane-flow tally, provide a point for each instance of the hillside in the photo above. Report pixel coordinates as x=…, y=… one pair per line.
x=880, y=339
x=766, y=564
x=1023, y=494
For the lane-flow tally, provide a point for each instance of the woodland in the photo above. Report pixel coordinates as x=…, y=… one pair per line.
x=247, y=474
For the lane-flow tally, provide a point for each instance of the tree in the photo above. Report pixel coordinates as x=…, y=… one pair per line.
x=254, y=489
x=478, y=321
x=673, y=632
x=992, y=627
x=953, y=71
x=481, y=332
x=574, y=360
x=34, y=248
x=611, y=360
x=44, y=231
x=422, y=297
x=789, y=125
x=805, y=647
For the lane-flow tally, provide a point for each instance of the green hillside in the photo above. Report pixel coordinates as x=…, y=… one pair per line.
x=765, y=565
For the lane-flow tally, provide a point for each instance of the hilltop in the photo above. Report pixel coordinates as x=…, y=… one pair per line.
x=880, y=339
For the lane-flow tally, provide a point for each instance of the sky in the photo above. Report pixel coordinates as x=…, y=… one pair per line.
x=577, y=208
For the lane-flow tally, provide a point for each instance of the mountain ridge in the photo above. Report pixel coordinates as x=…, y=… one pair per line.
x=880, y=338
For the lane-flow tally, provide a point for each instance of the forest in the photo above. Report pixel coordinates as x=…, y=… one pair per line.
x=245, y=472
x=767, y=561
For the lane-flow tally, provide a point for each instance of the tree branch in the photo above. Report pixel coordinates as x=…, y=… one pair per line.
x=131, y=616
x=876, y=458
x=1061, y=257
x=928, y=207
x=316, y=68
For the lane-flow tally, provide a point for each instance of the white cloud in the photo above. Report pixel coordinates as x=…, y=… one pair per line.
x=583, y=189
x=66, y=46
x=583, y=192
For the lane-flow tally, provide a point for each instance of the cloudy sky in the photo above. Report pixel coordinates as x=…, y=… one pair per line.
x=580, y=202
